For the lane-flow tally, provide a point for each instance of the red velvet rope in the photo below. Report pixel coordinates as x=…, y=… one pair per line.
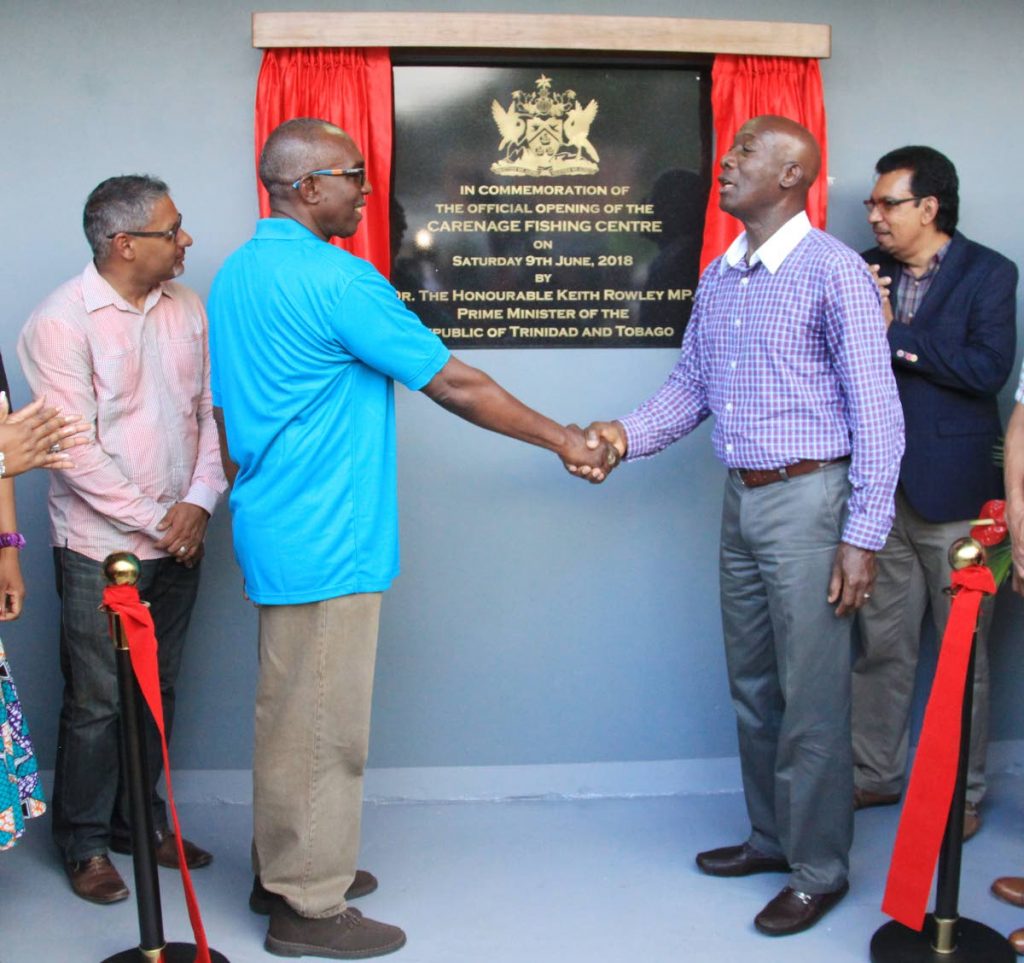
x=142, y=646
x=926, y=809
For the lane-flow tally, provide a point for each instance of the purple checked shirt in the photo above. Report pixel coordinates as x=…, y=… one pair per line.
x=790, y=356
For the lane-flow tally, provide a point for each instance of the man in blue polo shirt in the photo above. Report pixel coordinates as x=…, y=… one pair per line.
x=306, y=341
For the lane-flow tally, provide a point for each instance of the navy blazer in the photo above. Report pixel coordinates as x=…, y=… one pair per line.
x=950, y=364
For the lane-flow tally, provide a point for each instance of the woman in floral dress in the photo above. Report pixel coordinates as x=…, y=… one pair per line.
x=33, y=437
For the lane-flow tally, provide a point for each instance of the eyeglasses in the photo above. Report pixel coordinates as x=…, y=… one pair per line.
x=171, y=234
x=358, y=172
x=888, y=203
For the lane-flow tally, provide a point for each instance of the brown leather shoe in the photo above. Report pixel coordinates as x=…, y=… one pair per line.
x=742, y=860
x=167, y=852
x=866, y=799
x=349, y=935
x=97, y=880
x=1016, y=939
x=792, y=911
x=261, y=900
x=972, y=820
x=1010, y=888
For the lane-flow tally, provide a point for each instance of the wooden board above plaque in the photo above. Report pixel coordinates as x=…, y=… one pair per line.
x=540, y=31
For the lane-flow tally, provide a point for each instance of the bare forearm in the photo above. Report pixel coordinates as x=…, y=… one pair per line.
x=229, y=466
x=475, y=396
x=8, y=514
x=12, y=585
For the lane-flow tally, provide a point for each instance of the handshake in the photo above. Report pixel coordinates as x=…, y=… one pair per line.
x=593, y=452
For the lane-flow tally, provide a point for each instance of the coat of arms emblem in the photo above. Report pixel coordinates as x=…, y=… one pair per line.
x=545, y=133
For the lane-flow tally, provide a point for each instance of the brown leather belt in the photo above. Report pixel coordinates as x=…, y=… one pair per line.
x=756, y=477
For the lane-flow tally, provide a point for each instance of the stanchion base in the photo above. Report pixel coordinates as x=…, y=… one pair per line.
x=975, y=943
x=172, y=953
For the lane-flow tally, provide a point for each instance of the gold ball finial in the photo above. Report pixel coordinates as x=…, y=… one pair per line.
x=965, y=552
x=122, y=568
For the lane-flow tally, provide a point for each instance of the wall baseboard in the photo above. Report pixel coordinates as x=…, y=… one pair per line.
x=443, y=784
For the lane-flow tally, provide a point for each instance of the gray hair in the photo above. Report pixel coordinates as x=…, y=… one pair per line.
x=122, y=203
x=292, y=149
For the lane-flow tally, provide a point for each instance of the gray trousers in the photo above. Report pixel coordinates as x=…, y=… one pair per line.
x=312, y=737
x=913, y=569
x=788, y=658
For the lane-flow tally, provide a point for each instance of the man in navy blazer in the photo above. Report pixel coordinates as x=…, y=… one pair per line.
x=950, y=308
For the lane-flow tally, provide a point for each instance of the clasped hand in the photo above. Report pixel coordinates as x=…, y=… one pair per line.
x=593, y=454
x=184, y=528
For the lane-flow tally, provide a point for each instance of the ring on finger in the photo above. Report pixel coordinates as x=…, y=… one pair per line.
x=54, y=448
x=183, y=550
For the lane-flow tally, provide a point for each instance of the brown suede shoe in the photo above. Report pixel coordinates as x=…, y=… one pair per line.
x=1016, y=939
x=167, y=852
x=1010, y=888
x=866, y=799
x=261, y=900
x=792, y=911
x=97, y=880
x=972, y=820
x=347, y=936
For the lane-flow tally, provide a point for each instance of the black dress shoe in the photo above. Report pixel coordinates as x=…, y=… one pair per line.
x=792, y=911
x=742, y=860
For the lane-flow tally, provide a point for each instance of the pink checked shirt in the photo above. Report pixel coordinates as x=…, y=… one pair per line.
x=143, y=380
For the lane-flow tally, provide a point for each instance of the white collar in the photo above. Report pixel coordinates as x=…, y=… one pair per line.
x=775, y=250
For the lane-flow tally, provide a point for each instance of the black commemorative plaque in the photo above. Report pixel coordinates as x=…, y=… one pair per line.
x=554, y=207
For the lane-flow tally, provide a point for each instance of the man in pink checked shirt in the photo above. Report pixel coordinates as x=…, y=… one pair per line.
x=125, y=345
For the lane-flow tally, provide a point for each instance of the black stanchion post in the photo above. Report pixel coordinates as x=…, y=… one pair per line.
x=948, y=937
x=123, y=568
x=947, y=884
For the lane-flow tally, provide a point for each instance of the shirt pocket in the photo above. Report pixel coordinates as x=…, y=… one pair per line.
x=116, y=381
x=182, y=362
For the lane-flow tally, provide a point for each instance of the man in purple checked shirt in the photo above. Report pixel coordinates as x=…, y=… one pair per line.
x=786, y=348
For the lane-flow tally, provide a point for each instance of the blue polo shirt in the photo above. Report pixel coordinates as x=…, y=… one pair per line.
x=306, y=341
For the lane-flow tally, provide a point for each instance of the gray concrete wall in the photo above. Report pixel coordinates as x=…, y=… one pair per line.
x=537, y=620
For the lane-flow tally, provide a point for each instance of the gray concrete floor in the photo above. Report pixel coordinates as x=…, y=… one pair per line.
x=595, y=880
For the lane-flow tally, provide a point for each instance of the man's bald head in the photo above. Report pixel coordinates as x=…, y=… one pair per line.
x=295, y=148
x=767, y=173
x=795, y=143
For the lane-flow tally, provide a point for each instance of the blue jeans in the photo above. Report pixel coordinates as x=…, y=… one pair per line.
x=90, y=803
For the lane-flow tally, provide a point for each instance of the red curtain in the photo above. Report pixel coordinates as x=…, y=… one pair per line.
x=348, y=87
x=745, y=87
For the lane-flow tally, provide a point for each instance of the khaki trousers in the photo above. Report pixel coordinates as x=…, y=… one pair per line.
x=311, y=741
x=913, y=570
